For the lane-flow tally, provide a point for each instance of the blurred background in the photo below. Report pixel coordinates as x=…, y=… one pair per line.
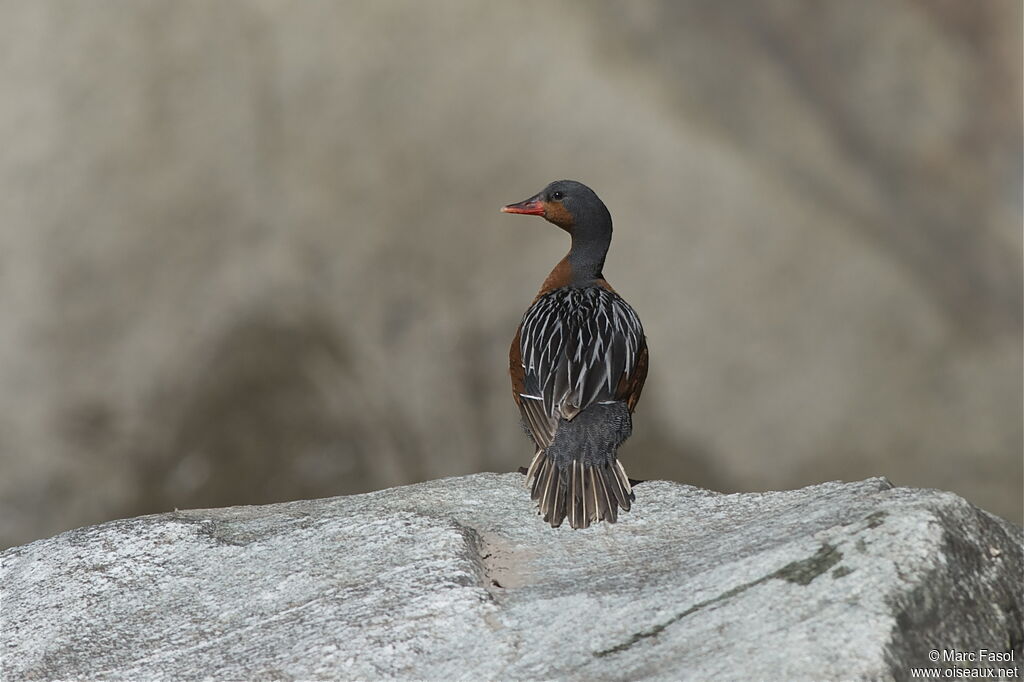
x=251, y=251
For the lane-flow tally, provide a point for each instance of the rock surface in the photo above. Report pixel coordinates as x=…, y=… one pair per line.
x=457, y=578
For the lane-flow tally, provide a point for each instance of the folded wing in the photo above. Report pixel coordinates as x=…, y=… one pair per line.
x=577, y=347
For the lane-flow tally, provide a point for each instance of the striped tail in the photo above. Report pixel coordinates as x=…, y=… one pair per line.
x=581, y=491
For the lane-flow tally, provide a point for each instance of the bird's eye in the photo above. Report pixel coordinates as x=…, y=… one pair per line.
x=557, y=195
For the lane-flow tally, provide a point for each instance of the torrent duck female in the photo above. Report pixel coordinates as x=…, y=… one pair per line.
x=578, y=364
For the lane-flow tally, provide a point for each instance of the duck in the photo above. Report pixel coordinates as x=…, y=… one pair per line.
x=578, y=363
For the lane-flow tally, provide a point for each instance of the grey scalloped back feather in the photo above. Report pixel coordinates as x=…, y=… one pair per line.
x=577, y=344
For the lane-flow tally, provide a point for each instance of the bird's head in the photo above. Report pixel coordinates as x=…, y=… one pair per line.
x=566, y=203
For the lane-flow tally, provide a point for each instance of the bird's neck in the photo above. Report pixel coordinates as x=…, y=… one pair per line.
x=583, y=265
x=586, y=257
x=591, y=237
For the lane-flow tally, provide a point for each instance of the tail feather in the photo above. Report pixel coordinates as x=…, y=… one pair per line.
x=581, y=492
x=557, y=511
x=600, y=496
x=623, y=490
x=577, y=498
x=578, y=475
x=532, y=471
x=606, y=499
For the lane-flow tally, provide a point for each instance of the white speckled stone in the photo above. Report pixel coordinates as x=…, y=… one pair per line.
x=458, y=579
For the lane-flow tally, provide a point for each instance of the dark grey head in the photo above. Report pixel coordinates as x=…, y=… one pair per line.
x=575, y=208
x=572, y=206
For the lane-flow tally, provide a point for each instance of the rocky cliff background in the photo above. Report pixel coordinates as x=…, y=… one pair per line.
x=238, y=229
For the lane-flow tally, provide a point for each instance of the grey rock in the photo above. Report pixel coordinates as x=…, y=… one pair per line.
x=457, y=579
